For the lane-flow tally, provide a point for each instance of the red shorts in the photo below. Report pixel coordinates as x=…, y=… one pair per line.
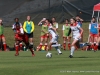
x=1, y=36
x=18, y=37
x=44, y=36
x=94, y=35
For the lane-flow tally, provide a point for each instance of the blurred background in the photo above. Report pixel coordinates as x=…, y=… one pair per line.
x=61, y=9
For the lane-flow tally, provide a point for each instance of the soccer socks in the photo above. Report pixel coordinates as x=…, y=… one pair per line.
x=5, y=46
x=40, y=46
x=58, y=50
x=46, y=46
x=17, y=49
x=72, y=50
x=95, y=47
x=56, y=45
x=20, y=45
x=31, y=48
x=69, y=45
x=64, y=46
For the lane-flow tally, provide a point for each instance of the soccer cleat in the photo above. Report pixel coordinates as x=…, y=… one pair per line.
x=60, y=54
x=16, y=54
x=33, y=55
x=70, y=56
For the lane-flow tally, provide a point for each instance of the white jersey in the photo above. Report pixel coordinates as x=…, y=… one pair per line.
x=53, y=33
x=14, y=26
x=75, y=31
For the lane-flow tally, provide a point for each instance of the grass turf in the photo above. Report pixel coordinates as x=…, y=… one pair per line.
x=83, y=63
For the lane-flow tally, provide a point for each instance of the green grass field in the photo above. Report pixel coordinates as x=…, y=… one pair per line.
x=83, y=63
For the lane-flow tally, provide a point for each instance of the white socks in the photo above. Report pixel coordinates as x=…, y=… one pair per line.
x=56, y=45
x=59, y=51
x=72, y=50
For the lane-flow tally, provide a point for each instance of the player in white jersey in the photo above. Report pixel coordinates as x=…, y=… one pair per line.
x=77, y=32
x=53, y=42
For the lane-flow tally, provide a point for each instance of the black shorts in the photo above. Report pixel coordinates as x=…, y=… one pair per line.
x=29, y=35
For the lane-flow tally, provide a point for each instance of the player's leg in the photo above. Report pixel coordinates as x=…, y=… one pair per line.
x=95, y=43
x=69, y=42
x=31, y=46
x=50, y=38
x=46, y=42
x=4, y=43
x=26, y=41
x=58, y=50
x=20, y=46
x=17, y=47
x=92, y=41
x=64, y=42
x=73, y=47
x=41, y=43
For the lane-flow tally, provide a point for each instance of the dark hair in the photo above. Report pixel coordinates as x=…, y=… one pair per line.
x=73, y=19
x=93, y=17
x=16, y=18
x=48, y=20
x=67, y=20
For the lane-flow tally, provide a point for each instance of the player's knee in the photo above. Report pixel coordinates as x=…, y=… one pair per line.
x=31, y=45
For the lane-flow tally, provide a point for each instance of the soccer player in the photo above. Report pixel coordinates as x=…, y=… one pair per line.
x=44, y=36
x=29, y=29
x=2, y=37
x=14, y=29
x=18, y=37
x=50, y=26
x=93, y=31
x=53, y=42
x=66, y=34
x=77, y=32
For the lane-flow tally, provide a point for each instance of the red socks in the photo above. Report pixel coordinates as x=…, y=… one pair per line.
x=64, y=46
x=69, y=46
x=5, y=46
x=20, y=45
x=95, y=47
x=17, y=48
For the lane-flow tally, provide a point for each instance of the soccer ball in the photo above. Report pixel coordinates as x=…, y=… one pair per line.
x=49, y=55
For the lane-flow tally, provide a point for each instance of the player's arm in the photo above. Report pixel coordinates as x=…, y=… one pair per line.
x=32, y=27
x=89, y=28
x=40, y=23
x=24, y=27
x=21, y=31
x=57, y=27
x=81, y=19
x=81, y=31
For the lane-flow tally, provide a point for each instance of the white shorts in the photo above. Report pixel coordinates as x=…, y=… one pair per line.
x=76, y=37
x=54, y=39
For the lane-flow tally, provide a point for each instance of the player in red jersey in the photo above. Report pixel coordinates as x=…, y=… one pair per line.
x=19, y=33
